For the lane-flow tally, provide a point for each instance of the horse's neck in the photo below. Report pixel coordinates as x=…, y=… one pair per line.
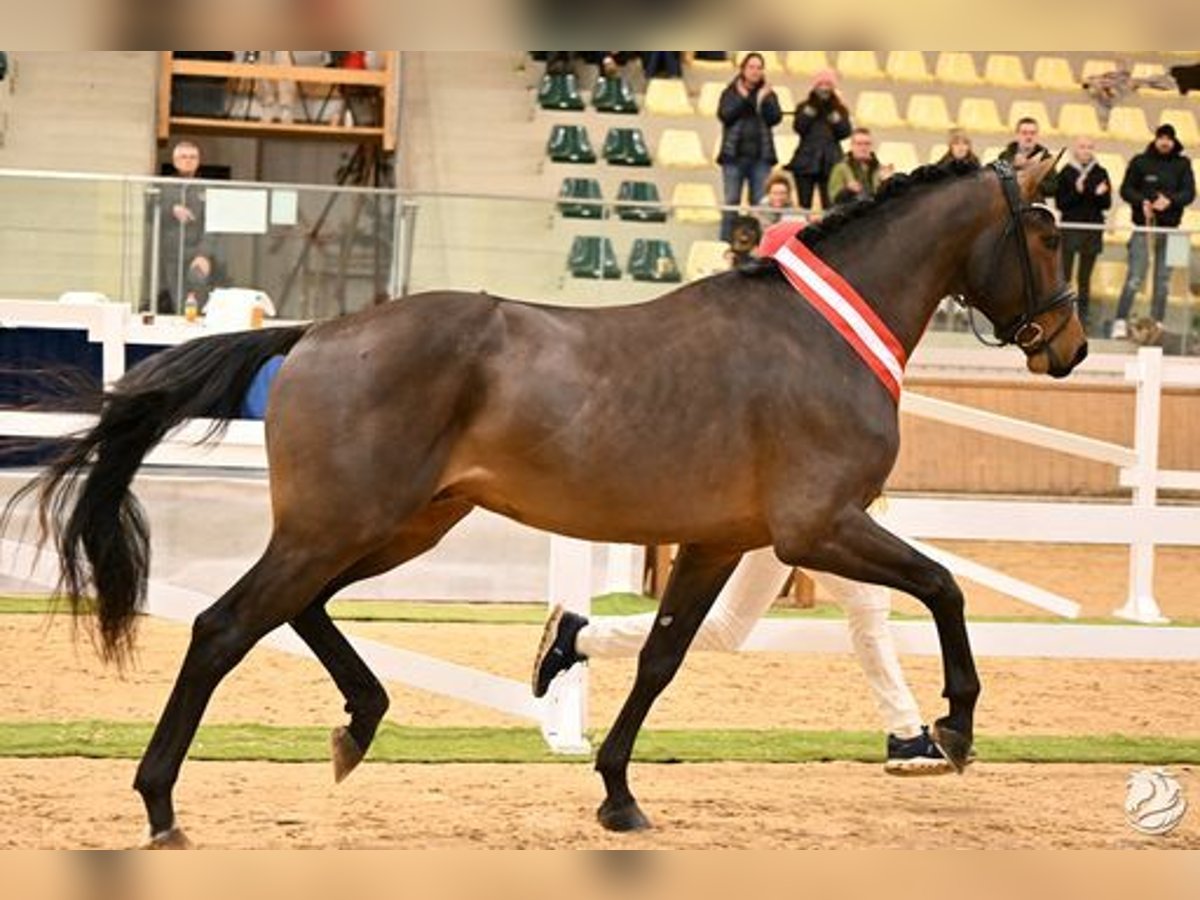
x=918, y=258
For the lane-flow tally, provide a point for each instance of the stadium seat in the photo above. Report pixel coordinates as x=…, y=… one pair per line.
x=900, y=154
x=1148, y=70
x=1053, y=73
x=579, y=199
x=957, y=67
x=681, y=149
x=928, y=112
x=786, y=143
x=862, y=65
x=990, y=153
x=807, y=62
x=1114, y=164
x=1007, y=71
x=1185, y=127
x=695, y=203
x=1107, y=279
x=593, y=257
x=978, y=115
x=559, y=92
x=908, y=66
x=877, y=109
x=710, y=98
x=1079, y=119
x=570, y=144
x=614, y=95
x=1128, y=123
x=706, y=258
x=1032, y=109
x=626, y=147
x=771, y=60
x=652, y=259
x=787, y=100
x=1122, y=221
x=668, y=97
x=1191, y=221
x=1093, y=67
x=639, y=192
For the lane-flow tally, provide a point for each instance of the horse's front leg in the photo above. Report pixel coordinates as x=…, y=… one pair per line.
x=856, y=547
x=696, y=579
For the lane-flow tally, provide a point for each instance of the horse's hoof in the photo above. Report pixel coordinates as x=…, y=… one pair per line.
x=174, y=839
x=345, y=752
x=955, y=746
x=624, y=818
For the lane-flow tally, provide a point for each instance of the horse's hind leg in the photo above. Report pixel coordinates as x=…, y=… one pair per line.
x=366, y=699
x=696, y=580
x=281, y=584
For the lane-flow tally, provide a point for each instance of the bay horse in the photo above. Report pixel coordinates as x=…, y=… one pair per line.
x=724, y=416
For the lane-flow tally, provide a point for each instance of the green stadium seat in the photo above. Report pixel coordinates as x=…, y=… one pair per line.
x=614, y=95
x=639, y=192
x=626, y=147
x=570, y=144
x=559, y=92
x=579, y=198
x=653, y=260
x=593, y=257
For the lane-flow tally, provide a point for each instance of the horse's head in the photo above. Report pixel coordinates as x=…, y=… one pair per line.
x=1015, y=276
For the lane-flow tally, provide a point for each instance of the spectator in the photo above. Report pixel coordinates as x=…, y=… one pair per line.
x=1084, y=195
x=662, y=63
x=823, y=122
x=777, y=201
x=748, y=111
x=1026, y=150
x=960, y=153
x=186, y=257
x=860, y=174
x=1158, y=185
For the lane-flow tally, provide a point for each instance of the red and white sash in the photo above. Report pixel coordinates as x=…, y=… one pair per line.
x=838, y=302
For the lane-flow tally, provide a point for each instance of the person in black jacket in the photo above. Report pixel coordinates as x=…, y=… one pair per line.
x=1025, y=151
x=748, y=111
x=823, y=122
x=1158, y=185
x=1084, y=195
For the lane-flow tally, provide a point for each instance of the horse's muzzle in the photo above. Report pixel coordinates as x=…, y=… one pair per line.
x=1064, y=371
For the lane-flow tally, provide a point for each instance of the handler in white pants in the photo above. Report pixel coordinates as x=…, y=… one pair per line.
x=747, y=596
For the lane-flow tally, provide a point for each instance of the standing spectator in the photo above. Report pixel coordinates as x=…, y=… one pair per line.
x=748, y=111
x=1158, y=185
x=960, y=153
x=186, y=258
x=662, y=63
x=1084, y=195
x=860, y=174
x=823, y=122
x=1026, y=150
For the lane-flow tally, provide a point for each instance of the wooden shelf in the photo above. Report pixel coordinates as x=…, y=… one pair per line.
x=258, y=128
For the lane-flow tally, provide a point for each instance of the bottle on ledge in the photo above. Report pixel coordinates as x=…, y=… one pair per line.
x=191, y=308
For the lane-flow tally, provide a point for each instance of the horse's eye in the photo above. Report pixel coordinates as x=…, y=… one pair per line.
x=1052, y=241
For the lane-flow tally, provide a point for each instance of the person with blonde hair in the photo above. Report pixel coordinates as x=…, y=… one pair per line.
x=960, y=153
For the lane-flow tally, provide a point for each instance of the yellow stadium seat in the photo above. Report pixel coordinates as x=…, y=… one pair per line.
x=696, y=203
x=900, y=154
x=1185, y=127
x=979, y=115
x=928, y=112
x=1108, y=278
x=1122, y=222
x=787, y=100
x=786, y=143
x=667, y=97
x=710, y=98
x=1079, y=120
x=1094, y=67
x=1114, y=164
x=807, y=62
x=1148, y=70
x=957, y=67
x=859, y=64
x=706, y=258
x=1005, y=70
x=1128, y=123
x=681, y=149
x=1031, y=109
x=773, y=64
x=877, y=109
x=1053, y=73
x=990, y=153
x=1191, y=222
x=908, y=66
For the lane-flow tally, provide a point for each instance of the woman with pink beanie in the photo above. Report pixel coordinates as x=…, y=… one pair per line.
x=822, y=121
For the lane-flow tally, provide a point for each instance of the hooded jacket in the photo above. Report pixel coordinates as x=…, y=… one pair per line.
x=1151, y=173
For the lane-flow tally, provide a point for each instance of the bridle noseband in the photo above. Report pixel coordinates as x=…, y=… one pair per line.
x=1023, y=331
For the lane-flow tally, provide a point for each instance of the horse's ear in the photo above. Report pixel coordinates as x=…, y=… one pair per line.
x=1032, y=176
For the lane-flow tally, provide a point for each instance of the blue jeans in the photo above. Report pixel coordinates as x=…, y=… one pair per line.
x=735, y=175
x=1139, y=261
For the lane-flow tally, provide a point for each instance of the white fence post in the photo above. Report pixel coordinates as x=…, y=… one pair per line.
x=1140, y=605
x=570, y=584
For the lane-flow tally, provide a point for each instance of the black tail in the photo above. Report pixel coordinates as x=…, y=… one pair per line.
x=84, y=500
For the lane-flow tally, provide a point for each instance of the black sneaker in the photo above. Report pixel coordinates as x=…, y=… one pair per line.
x=556, y=653
x=915, y=756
